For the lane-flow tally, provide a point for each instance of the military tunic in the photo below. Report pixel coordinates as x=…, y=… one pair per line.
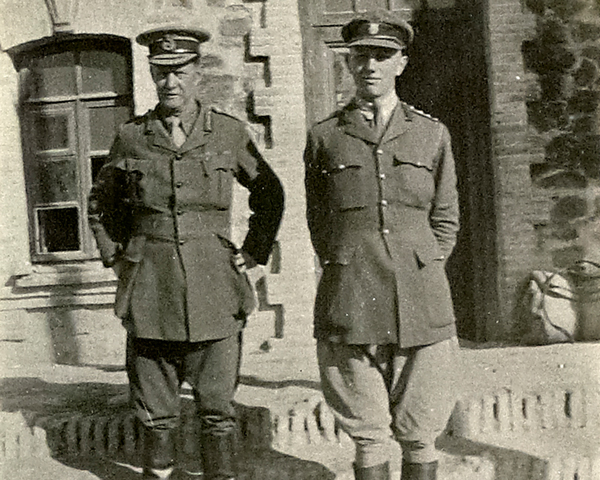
x=163, y=214
x=383, y=217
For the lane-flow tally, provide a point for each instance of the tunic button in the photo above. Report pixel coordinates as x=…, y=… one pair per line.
x=385, y=231
x=179, y=184
x=179, y=212
x=181, y=242
x=382, y=176
x=379, y=152
x=178, y=156
x=384, y=203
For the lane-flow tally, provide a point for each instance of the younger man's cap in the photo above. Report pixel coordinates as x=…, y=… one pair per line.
x=379, y=28
x=172, y=45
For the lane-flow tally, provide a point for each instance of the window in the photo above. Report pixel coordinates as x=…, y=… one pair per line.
x=75, y=92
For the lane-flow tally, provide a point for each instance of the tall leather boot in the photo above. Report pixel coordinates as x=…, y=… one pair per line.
x=218, y=456
x=419, y=471
x=376, y=472
x=159, y=454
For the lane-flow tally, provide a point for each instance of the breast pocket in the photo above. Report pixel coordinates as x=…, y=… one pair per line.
x=220, y=179
x=346, y=185
x=417, y=183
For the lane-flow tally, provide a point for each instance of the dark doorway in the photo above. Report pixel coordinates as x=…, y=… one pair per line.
x=447, y=78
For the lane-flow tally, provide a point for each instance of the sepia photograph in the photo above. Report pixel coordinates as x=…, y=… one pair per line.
x=300, y=239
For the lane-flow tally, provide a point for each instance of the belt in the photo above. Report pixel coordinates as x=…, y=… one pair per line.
x=197, y=224
x=159, y=226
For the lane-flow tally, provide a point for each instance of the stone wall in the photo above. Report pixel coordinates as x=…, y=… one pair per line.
x=563, y=108
x=563, y=54
x=544, y=70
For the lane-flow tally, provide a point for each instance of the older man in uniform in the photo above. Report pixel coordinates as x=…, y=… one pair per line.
x=160, y=210
x=382, y=211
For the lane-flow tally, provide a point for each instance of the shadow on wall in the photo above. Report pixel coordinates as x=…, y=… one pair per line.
x=86, y=336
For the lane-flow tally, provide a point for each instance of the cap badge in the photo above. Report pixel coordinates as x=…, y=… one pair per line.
x=373, y=28
x=168, y=43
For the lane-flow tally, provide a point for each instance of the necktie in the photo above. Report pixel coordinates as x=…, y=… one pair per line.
x=368, y=112
x=177, y=134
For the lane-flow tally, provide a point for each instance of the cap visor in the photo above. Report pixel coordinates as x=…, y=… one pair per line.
x=176, y=59
x=376, y=42
x=153, y=34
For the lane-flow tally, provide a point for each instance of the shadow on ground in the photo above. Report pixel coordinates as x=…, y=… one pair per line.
x=90, y=428
x=38, y=399
x=253, y=381
x=252, y=465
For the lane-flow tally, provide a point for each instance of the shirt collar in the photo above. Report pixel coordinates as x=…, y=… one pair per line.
x=188, y=116
x=383, y=107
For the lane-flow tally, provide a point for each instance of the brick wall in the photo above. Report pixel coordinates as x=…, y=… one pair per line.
x=283, y=101
x=509, y=25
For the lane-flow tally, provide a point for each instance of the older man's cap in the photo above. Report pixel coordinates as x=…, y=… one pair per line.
x=172, y=45
x=379, y=28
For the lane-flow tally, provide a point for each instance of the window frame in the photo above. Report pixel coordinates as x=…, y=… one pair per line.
x=80, y=104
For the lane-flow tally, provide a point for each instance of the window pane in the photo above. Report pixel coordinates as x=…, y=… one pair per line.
x=344, y=85
x=97, y=164
x=104, y=122
x=339, y=6
x=363, y=5
x=103, y=71
x=56, y=181
x=53, y=75
x=51, y=132
x=441, y=3
x=58, y=229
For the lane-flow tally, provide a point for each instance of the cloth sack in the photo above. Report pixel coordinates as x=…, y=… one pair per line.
x=550, y=307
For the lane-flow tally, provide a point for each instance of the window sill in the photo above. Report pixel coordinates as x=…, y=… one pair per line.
x=84, y=274
x=55, y=286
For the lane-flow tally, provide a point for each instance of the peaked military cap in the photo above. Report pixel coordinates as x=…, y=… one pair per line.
x=172, y=45
x=378, y=28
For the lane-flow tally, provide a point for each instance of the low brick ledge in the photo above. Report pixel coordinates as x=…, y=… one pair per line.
x=294, y=442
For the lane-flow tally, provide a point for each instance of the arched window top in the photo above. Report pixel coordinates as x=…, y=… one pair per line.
x=74, y=66
x=70, y=41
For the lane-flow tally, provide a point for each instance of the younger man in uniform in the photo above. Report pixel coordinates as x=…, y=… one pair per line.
x=382, y=210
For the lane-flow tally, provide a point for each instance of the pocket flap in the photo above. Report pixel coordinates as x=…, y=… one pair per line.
x=340, y=255
x=415, y=162
x=339, y=165
x=219, y=161
x=135, y=249
x=426, y=253
x=134, y=165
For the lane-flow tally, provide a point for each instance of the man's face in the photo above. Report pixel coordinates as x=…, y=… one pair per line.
x=176, y=85
x=375, y=69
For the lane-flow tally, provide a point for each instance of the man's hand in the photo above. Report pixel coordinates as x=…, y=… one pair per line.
x=244, y=261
